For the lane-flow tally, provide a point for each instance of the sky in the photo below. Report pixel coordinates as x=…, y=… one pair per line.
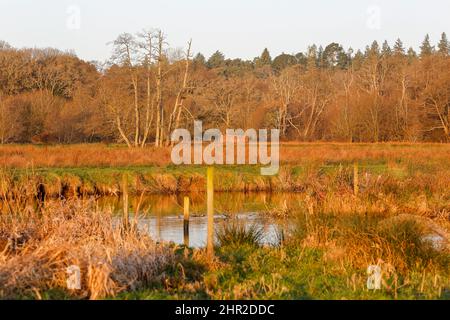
x=238, y=28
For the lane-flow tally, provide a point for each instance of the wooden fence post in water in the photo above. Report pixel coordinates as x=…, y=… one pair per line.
x=210, y=211
x=355, y=179
x=186, y=222
x=125, y=201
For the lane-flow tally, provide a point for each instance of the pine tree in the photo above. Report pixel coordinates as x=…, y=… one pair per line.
x=320, y=57
x=312, y=57
x=398, y=47
x=199, y=59
x=375, y=48
x=358, y=60
x=283, y=61
x=265, y=58
x=216, y=60
x=412, y=55
x=426, y=49
x=444, y=45
x=386, y=49
x=372, y=50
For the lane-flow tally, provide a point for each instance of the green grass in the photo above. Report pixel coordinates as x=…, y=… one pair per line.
x=284, y=273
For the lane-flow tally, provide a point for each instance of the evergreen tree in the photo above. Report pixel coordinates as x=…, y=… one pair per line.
x=216, y=60
x=375, y=48
x=358, y=60
x=444, y=45
x=334, y=56
x=312, y=57
x=265, y=58
x=426, y=49
x=199, y=59
x=319, y=61
x=283, y=61
x=398, y=47
x=302, y=59
x=412, y=55
x=386, y=49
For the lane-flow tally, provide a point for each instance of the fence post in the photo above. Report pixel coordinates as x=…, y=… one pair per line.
x=186, y=222
x=210, y=211
x=125, y=201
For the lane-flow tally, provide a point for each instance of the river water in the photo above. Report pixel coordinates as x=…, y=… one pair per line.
x=162, y=215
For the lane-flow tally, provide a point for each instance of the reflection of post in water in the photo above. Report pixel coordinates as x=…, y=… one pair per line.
x=186, y=222
x=210, y=211
x=158, y=224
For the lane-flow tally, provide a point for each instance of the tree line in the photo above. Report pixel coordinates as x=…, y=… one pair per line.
x=147, y=89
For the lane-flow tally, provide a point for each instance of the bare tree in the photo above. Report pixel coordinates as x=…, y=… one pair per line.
x=125, y=53
x=179, y=100
x=285, y=87
x=147, y=45
x=160, y=58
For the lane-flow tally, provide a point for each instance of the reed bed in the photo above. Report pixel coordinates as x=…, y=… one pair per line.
x=37, y=246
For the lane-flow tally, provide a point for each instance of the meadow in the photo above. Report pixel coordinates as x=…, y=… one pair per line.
x=397, y=218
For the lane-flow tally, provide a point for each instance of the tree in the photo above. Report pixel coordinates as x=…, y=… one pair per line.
x=146, y=44
x=312, y=57
x=125, y=53
x=426, y=49
x=436, y=95
x=334, y=56
x=160, y=62
x=264, y=60
x=285, y=87
x=412, y=55
x=283, y=61
x=373, y=50
x=5, y=45
x=181, y=95
x=216, y=60
x=444, y=45
x=9, y=121
x=386, y=50
x=199, y=59
x=398, y=47
x=223, y=96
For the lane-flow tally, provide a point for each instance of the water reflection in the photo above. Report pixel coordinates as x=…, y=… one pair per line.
x=162, y=216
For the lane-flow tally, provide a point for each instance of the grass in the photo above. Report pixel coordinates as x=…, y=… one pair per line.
x=324, y=254
x=302, y=269
x=37, y=246
x=330, y=239
x=237, y=234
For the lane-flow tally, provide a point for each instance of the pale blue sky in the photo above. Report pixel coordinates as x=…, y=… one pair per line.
x=239, y=28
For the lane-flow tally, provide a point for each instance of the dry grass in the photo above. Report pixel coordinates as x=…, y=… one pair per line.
x=101, y=155
x=37, y=247
x=84, y=155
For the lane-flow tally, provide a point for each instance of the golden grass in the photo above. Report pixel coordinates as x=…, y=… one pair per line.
x=83, y=155
x=37, y=247
x=101, y=155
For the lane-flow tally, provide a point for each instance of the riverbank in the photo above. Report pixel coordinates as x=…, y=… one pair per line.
x=324, y=255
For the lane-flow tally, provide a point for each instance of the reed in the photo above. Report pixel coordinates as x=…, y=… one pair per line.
x=37, y=247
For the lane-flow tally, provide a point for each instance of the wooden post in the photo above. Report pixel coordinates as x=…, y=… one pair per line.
x=186, y=222
x=210, y=211
x=125, y=201
x=355, y=179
